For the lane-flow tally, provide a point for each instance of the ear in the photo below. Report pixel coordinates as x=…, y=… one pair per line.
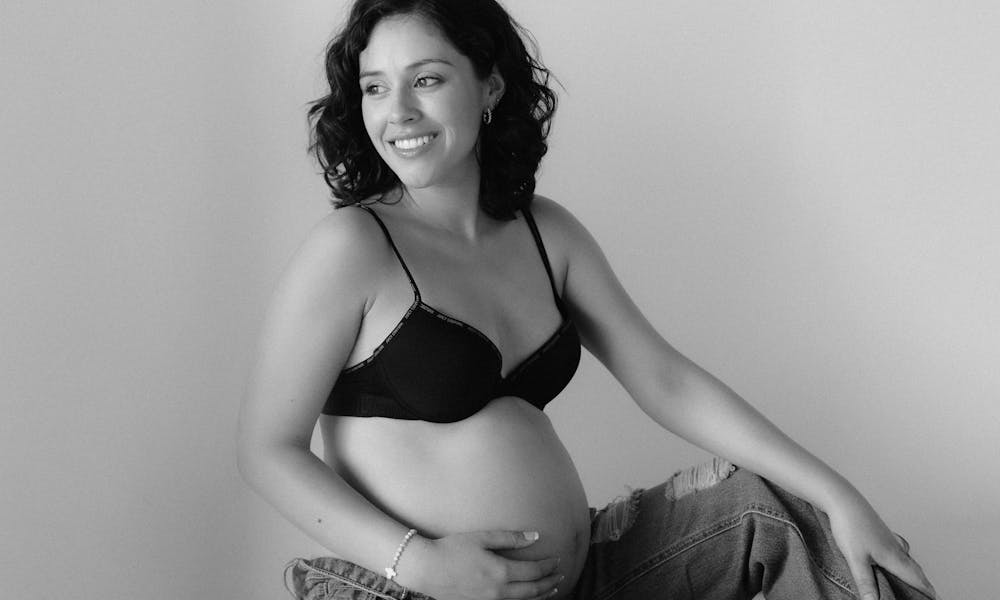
x=495, y=87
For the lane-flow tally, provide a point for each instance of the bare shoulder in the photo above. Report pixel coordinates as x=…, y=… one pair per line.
x=551, y=213
x=559, y=227
x=566, y=240
x=344, y=234
x=338, y=257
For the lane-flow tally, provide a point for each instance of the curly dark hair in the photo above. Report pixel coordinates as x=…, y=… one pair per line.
x=509, y=149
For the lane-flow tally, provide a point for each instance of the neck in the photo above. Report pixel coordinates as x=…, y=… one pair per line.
x=452, y=206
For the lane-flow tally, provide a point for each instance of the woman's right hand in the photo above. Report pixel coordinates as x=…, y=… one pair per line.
x=466, y=566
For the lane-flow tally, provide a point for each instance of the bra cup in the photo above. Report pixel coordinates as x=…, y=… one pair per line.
x=451, y=378
x=543, y=379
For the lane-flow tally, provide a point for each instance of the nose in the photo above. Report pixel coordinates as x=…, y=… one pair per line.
x=403, y=108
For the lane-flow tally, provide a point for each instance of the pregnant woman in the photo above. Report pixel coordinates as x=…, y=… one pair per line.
x=428, y=320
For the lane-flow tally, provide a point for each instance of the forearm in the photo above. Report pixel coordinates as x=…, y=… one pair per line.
x=320, y=503
x=698, y=407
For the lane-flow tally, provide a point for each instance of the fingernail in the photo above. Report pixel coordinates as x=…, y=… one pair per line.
x=533, y=535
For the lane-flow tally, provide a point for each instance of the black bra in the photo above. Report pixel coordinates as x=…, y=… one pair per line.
x=433, y=367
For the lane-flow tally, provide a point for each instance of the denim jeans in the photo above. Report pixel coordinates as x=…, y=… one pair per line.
x=712, y=532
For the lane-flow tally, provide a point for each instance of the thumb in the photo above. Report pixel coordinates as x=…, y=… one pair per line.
x=507, y=540
x=864, y=577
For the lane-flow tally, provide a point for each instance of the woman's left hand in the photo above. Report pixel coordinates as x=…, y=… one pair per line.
x=865, y=541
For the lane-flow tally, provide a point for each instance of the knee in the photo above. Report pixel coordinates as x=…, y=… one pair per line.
x=762, y=496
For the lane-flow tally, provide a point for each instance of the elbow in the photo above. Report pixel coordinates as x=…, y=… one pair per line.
x=247, y=459
x=260, y=460
x=253, y=455
x=258, y=464
x=670, y=393
x=251, y=445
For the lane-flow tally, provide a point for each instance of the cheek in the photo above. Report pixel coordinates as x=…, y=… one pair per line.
x=466, y=117
x=371, y=122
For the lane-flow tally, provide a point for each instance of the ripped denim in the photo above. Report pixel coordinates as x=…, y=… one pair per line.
x=711, y=532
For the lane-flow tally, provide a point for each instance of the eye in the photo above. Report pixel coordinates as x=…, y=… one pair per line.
x=373, y=89
x=427, y=80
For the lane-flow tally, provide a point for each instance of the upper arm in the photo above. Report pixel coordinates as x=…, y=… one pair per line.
x=611, y=326
x=308, y=331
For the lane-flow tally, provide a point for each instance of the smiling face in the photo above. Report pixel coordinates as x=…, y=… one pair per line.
x=422, y=102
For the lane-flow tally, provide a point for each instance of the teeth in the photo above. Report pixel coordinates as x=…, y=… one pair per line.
x=410, y=144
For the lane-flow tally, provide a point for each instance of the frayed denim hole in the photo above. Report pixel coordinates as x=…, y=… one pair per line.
x=616, y=518
x=698, y=477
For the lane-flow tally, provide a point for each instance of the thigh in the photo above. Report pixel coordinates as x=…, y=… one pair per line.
x=694, y=535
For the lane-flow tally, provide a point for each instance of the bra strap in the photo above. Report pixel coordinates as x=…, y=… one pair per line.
x=541, y=250
x=385, y=230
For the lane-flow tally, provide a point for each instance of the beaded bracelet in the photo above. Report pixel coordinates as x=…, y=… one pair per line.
x=390, y=571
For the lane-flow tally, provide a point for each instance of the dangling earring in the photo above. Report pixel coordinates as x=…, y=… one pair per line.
x=488, y=116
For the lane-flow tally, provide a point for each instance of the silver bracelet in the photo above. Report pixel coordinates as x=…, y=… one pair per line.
x=390, y=571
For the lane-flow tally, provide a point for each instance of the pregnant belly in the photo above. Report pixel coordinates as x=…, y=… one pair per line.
x=504, y=468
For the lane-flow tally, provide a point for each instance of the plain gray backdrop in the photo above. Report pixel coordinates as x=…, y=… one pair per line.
x=800, y=195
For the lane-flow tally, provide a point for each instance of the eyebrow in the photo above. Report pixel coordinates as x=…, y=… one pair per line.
x=410, y=67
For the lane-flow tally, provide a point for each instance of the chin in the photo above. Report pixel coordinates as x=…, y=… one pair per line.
x=416, y=181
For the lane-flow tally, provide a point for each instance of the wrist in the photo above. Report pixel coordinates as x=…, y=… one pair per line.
x=414, y=563
x=841, y=494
